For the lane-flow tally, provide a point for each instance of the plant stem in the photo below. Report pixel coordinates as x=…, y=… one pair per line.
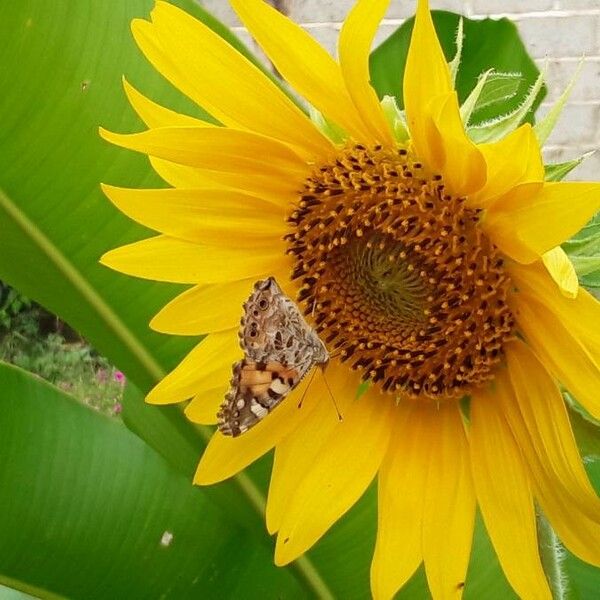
x=552, y=556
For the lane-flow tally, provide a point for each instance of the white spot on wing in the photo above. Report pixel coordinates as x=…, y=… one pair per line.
x=258, y=410
x=279, y=387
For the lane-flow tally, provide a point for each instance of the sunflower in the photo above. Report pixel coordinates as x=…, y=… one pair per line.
x=429, y=265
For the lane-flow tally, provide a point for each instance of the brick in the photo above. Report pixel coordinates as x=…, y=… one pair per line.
x=577, y=126
x=327, y=36
x=560, y=36
x=490, y=7
x=577, y=4
x=249, y=42
x=383, y=33
x=588, y=170
x=319, y=11
x=335, y=11
x=403, y=10
x=560, y=73
x=222, y=10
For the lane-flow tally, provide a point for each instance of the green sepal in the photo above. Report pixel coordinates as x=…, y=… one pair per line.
x=492, y=88
x=334, y=132
x=497, y=129
x=558, y=171
x=361, y=390
x=487, y=44
x=395, y=118
x=544, y=128
x=585, y=428
x=454, y=64
x=584, y=251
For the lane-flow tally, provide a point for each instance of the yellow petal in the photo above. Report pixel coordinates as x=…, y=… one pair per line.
x=576, y=531
x=303, y=62
x=155, y=115
x=207, y=308
x=496, y=225
x=225, y=456
x=579, y=315
x=210, y=361
x=401, y=496
x=162, y=258
x=354, y=47
x=449, y=507
x=504, y=494
x=426, y=76
x=203, y=215
x=525, y=226
x=543, y=420
x=464, y=168
x=204, y=406
x=204, y=308
x=295, y=455
x=275, y=188
x=561, y=269
x=560, y=502
x=511, y=161
x=222, y=81
x=217, y=149
x=345, y=467
x=561, y=351
x=586, y=313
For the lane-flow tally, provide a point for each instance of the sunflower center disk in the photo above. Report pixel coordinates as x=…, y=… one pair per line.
x=398, y=276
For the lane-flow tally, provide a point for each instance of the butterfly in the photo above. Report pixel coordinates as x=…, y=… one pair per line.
x=280, y=348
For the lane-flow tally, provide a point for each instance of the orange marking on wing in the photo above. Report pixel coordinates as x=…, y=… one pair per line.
x=257, y=390
x=255, y=377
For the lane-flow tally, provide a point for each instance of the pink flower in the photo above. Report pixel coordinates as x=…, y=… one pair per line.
x=120, y=377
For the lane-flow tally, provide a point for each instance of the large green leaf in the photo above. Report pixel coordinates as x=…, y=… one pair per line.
x=54, y=221
x=87, y=510
x=488, y=44
x=61, y=75
x=62, y=65
x=61, y=70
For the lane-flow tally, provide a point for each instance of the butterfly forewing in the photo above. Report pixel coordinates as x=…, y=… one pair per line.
x=279, y=349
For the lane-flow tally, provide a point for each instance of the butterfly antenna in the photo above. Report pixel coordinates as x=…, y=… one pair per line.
x=335, y=354
x=337, y=410
x=306, y=388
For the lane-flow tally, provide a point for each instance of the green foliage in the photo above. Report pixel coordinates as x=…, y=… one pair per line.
x=56, y=223
x=585, y=428
x=85, y=491
x=558, y=171
x=584, y=252
x=94, y=513
x=499, y=87
x=488, y=44
x=71, y=365
x=11, y=304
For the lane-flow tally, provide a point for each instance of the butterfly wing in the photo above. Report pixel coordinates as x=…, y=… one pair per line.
x=273, y=329
x=280, y=348
x=256, y=389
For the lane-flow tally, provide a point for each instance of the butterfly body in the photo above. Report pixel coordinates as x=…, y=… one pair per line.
x=280, y=348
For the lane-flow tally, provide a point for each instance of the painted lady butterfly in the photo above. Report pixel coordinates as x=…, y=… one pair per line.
x=280, y=348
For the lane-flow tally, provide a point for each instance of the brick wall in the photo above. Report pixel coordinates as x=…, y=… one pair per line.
x=559, y=31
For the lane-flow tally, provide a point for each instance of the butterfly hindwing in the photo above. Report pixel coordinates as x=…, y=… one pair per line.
x=279, y=347
x=256, y=389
